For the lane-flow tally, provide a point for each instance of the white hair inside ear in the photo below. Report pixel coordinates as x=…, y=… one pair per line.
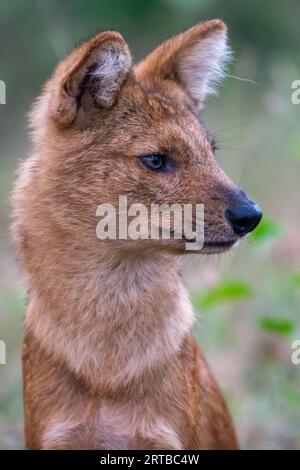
x=202, y=66
x=108, y=75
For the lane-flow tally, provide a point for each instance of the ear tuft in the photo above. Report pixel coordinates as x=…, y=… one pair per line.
x=196, y=60
x=106, y=76
x=202, y=66
x=98, y=68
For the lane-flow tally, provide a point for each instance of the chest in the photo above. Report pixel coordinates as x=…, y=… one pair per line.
x=112, y=427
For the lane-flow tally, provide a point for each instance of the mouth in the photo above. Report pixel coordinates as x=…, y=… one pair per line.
x=220, y=244
x=216, y=246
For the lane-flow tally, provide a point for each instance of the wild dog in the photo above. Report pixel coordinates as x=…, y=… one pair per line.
x=109, y=360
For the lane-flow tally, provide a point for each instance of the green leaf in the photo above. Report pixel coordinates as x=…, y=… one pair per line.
x=266, y=230
x=293, y=396
x=224, y=292
x=295, y=279
x=277, y=325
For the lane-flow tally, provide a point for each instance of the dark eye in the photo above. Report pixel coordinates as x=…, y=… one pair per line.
x=158, y=162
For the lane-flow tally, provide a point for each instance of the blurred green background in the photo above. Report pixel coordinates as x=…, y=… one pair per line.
x=248, y=300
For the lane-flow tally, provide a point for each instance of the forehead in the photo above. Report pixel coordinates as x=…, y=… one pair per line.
x=152, y=121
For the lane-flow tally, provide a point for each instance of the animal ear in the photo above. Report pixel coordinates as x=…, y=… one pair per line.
x=93, y=73
x=195, y=60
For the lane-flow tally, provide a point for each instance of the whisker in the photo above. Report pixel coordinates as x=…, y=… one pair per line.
x=244, y=167
x=244, y=80
x=233, y=127
x=231, y=148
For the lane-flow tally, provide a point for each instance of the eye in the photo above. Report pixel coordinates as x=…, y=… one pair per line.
x=158, y=162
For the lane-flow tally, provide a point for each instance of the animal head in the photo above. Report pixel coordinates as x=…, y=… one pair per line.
x=104, y=128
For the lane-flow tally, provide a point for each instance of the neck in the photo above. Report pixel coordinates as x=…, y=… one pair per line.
x=114, y=319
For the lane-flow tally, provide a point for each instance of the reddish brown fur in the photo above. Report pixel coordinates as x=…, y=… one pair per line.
x=109, y=362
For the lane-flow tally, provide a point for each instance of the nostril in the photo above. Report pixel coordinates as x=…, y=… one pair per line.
x=243, y=218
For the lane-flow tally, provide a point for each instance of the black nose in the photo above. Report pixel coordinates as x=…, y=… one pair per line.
x=244, y=218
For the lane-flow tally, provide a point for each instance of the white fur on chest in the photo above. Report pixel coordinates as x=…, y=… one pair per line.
x=120, y=425
x=113, y=428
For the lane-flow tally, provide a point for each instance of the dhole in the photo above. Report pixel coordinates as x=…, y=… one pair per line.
x=109, y=360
